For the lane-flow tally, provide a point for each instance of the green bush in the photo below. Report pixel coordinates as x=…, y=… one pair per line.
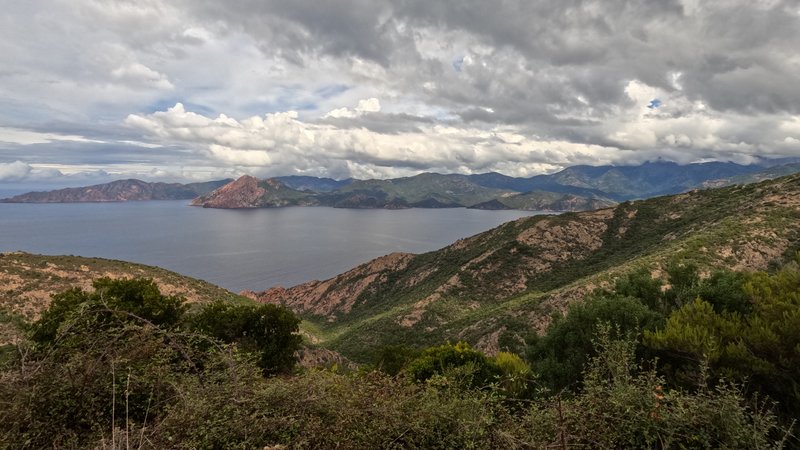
x=760, y=347
x=479, y=370
x=269, y=331
x=392, y=359
x=560, y=356
x=117, y=301
x=623, y=405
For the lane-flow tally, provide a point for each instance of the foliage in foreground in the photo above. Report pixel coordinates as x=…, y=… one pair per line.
x=118, y=365
x=154, y=387
x=759, y=346
x=120, y=352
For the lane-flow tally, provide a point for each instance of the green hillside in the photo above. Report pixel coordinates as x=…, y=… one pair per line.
x=28, y=280
x=491, y=288
x=547, y=201
x=445, y=189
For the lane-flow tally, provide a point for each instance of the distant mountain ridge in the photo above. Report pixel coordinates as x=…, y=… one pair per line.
x=427, y=190
x=576, y=188
x=120, y=191
x=315, y=184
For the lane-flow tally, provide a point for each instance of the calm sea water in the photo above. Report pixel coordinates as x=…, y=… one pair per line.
x=237, y=249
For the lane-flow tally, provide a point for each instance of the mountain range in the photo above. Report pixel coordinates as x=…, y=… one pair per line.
x=577, y=188
x=120, y=191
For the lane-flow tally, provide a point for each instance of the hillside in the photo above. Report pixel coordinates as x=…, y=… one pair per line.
x=120, y=191
x=649, y=179
x=455, y=190
x=27, y=281
x=766, y=174
x=427, y=190
x=492, y=287
x=314, y=184
x=249, y=192
x=546, y=201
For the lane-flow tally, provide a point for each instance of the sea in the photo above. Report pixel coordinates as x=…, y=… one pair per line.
x=237, y=249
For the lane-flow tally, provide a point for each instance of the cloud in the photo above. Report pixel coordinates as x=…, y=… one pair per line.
x=14, y=171
x=26, y=137
x=282, y=143
x=141, y=75
x=370, y=105
x=380, y=87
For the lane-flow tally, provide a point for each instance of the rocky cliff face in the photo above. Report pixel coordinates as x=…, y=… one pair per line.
x=337, y=295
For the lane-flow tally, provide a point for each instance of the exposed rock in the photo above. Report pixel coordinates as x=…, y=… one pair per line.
x=242, y=193
x=336, y=295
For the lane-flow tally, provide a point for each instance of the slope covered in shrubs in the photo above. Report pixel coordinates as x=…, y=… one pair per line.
x=124, y=365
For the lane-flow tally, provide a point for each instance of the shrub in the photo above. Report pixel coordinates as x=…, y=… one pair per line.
x=117, y=301
x=480, y=371
x=623, y=405
x=560, y=356
x=269, y=331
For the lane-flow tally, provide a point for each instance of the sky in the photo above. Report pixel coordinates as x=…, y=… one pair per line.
x=192, y=90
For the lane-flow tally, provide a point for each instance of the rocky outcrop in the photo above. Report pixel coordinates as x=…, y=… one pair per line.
x=250, y=192
x=242, y=193
x=337, y=295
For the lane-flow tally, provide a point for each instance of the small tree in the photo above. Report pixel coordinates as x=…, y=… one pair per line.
x=446, y=358
x=114, y=302
x=560, y=356
x=268, y=331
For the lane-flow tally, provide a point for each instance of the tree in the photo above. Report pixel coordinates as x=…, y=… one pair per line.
x=761, y=346
x=114, y=302
x=268, y=331
x=560, y=356
x=479, y=370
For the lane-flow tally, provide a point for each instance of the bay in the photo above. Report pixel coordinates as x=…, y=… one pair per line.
x=237, y=249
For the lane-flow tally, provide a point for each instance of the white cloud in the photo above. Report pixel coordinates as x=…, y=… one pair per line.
x=281, y=143
x=27, y=137
x=370, y=105
x=14, y=171
x=138, y=74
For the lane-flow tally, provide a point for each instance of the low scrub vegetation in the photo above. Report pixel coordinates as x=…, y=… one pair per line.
x=700, y=362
